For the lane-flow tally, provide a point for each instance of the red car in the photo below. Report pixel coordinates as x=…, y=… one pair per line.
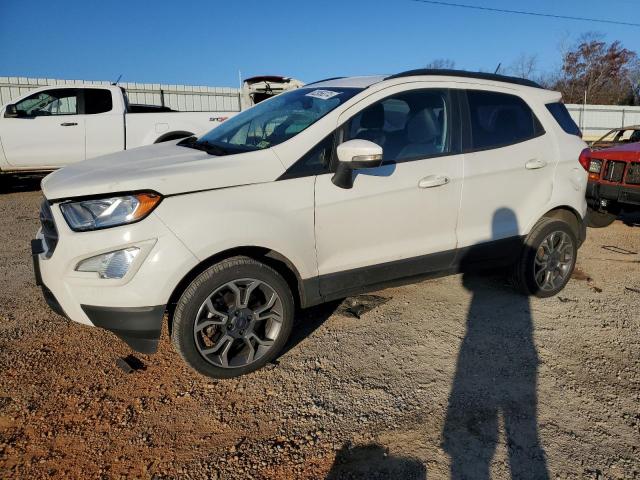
x=614, y=182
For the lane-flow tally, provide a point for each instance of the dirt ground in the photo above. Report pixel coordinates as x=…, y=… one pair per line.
x=457, y=374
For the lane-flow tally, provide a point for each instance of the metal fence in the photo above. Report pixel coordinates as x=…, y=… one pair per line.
x=596, y=120
x=184, y=98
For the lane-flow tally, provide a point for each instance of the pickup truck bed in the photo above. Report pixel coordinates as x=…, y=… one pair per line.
x=51, y=127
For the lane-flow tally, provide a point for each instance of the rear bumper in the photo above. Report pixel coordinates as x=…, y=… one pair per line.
x=618, y=194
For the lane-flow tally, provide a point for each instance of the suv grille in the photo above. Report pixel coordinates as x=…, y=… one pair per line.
x=48, y=227
x=614, y=171
x=633, y=173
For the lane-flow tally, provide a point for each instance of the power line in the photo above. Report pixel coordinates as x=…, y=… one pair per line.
x=522, y=12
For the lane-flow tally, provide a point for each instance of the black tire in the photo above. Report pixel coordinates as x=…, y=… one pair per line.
x=524, y=272
x=189, y=344
x=597, y=219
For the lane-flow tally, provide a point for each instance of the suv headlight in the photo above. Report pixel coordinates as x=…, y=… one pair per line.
x=108, y=212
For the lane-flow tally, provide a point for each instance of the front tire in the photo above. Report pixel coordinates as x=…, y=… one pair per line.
x=234, y=318
x=596, y=219
x=547, y=259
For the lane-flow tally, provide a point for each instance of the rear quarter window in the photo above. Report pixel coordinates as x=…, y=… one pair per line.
x=97, y=100
x=562, y=116
x=499, y=119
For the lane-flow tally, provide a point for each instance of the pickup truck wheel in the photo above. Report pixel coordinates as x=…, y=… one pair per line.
x=547, y=259
x=234, y=318
x=597, y=219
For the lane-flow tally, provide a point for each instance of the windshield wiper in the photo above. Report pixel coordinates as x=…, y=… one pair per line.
x=210, y=148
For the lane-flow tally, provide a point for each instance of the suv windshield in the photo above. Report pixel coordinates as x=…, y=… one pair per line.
x=273, y=121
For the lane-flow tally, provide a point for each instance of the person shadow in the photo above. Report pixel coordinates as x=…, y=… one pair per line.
x=496, y=375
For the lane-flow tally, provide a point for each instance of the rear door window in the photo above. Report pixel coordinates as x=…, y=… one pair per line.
x=563, y=117
x=97, y=100
x=499, y=119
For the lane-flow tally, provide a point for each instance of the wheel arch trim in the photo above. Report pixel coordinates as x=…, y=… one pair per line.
x=303, y=290
x=571, y=216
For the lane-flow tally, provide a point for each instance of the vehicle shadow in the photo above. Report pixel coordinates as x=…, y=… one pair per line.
x=495, y=379
x=14, y=183
x=308, y=321
x=373, y=461
x=630, y=218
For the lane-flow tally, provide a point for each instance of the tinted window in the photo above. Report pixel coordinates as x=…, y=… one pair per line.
x=409, y=125
x=97, y=100
x=314, y=162
x=60, y=101
x=499, y=119
x=562, y=116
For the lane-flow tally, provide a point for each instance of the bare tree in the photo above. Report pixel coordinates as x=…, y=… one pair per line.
x=525, y=66
x=603, y=72
x=441, y=64
x=634, y=80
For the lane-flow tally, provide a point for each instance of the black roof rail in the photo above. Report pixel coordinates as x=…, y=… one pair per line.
x=466, y=74
x=324, y=80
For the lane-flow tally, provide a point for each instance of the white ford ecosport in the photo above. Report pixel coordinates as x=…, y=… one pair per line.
x=339, y=187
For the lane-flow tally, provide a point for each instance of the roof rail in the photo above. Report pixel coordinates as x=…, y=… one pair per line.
x=464, y=73
x=323, y=80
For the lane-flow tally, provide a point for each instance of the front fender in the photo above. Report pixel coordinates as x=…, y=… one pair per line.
x=276, y=215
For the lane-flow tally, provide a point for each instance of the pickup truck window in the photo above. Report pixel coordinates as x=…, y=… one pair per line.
x=97, y=100
x=60, y=101
x=273, y=121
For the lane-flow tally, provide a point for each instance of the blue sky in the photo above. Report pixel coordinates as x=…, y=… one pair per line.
x=206, y=42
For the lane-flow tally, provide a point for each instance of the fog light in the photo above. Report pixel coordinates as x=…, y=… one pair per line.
x=110, y=265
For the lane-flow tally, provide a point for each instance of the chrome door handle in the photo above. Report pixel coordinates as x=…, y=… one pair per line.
x=433, y=181
x=68, y=124
x=534, y=164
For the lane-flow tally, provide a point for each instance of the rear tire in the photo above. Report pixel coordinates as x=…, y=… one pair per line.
x=547, y=259
x=597, y=219
x=234, y=318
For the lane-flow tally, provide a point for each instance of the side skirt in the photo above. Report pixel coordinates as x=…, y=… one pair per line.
x=496, y=254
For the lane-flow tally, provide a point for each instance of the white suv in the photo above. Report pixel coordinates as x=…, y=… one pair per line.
x=336, y=188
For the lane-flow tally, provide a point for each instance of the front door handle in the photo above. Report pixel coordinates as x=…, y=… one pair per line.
x=534, y=164
x=433, y=181
x=68, y=124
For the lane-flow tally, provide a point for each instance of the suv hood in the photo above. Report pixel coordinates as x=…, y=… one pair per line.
x=166, y=168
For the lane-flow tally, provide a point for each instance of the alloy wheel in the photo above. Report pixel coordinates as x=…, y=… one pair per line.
x=553, y=260
x=238, y=323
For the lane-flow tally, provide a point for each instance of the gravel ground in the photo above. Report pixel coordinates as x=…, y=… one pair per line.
x=455, y=374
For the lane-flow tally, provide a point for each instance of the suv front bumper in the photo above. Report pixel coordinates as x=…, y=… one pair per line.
x=132, y=307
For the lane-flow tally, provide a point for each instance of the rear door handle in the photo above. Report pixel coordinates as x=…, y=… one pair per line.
x=433, y=181
x=68, y=124
x=534, y=164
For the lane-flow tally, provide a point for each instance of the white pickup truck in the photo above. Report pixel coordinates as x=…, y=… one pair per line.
x=50, y=127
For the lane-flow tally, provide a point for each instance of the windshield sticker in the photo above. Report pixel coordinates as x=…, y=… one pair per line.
x=322, y=94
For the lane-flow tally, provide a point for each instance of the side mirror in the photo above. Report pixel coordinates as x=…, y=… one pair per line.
x=11, y=111
x=352, y=155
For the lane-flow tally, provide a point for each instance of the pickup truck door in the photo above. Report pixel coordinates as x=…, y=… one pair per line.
x=49, y=132
x=104, y=121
